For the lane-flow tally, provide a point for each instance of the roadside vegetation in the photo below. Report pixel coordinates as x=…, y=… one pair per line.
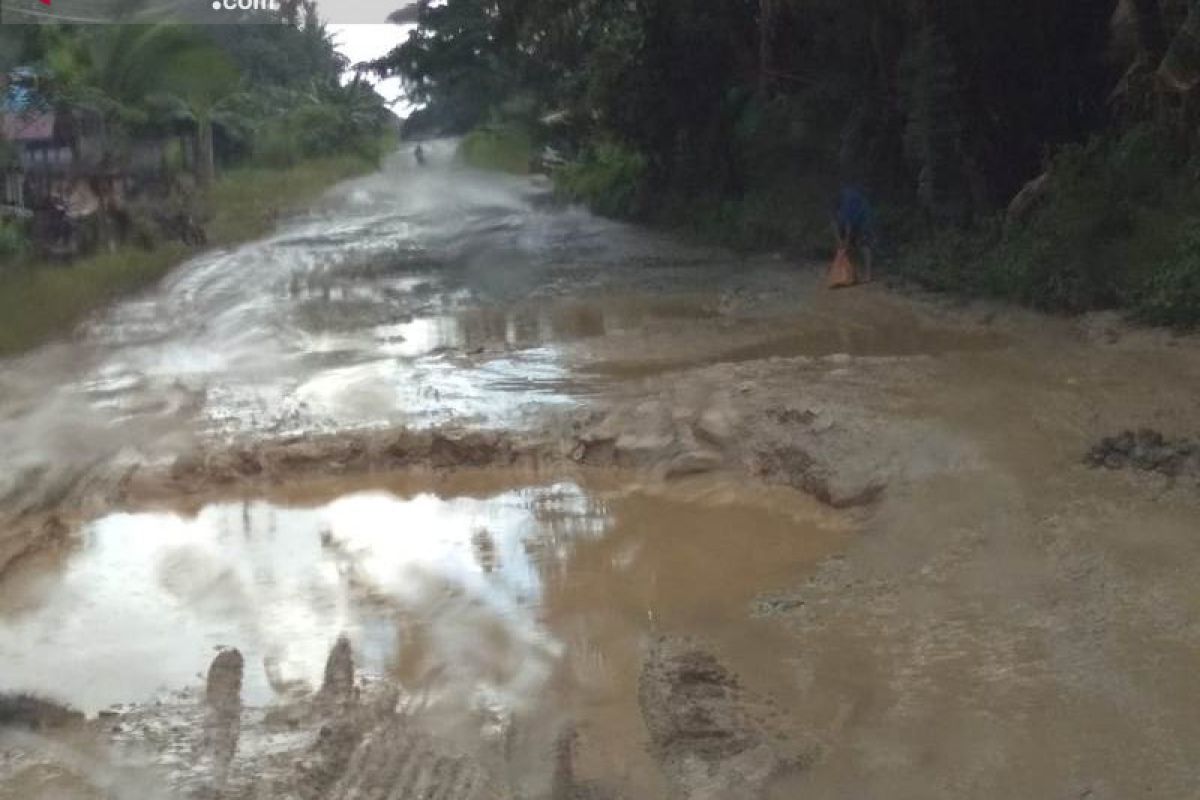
x=506, y=148
x=1113, y=226
x=39, y=300
x=1040, y=151
x=241, y=123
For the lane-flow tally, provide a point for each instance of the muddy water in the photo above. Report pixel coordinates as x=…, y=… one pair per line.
x=482, y=598
x=423, y=297
x=411, y=296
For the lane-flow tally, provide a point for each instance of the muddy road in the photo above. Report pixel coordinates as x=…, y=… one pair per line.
x=443, y=491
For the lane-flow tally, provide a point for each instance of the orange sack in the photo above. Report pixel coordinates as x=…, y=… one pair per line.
x=841, y=271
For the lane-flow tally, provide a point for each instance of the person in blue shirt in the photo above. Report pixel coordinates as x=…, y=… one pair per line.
x=854, y=225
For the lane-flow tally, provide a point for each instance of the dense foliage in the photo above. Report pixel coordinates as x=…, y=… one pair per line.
x=742, y=116
x=184, y=135
x=266, y=92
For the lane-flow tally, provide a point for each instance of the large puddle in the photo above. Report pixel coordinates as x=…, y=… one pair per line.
x=477, y=596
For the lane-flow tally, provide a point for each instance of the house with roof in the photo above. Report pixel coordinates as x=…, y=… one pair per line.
x=36, y=147
x=57, y=154
x=57, y=169
x=38, y=144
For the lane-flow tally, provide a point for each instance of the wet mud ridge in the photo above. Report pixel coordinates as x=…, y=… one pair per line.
x=354, y=739
x=708, y=733
x=43, y=505
x=1149, y=451
x=742, y=419
x=349, y=741
x=365, y=749
x=45, y=508
x=26, y=711
x=222, y=725
x=826, y=438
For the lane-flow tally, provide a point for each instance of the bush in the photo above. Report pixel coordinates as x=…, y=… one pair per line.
x=506, y=148
x=609, y=179
x=1113, y=213
x=313, y=130
x=14, y=241
x=1069, y=258
x=38, y=301
x=950, y=260
x=277, y=145
x=1171, y=295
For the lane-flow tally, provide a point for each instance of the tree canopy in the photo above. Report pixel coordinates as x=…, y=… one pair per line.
x=742, y=116
x=968, y=94
x=271, y=88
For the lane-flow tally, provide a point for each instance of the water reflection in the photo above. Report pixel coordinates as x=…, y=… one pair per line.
x=387, y=275
x=495, y=610
x=418, y=583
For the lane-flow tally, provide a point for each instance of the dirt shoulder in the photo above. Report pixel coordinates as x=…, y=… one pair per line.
x=40, y=301
x=1013, y=621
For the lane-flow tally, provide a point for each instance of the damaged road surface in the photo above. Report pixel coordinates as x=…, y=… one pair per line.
x=445, y=492
x=486, y=622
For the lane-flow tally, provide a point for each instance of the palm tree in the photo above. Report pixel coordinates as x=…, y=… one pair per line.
x=201, y=77
x=130, y=74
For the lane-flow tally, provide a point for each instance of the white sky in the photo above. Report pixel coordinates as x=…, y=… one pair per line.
x=364, y=41
x=359, y=11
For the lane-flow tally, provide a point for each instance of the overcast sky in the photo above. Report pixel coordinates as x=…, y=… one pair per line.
x=358, y=11
x=362, y=42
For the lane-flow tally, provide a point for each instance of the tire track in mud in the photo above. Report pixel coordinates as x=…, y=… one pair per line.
x=362, y=748
x=392, y=762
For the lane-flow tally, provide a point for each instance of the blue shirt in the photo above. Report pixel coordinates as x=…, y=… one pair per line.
x=853, y=210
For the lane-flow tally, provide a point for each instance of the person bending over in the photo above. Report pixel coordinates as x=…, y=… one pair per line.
x=854, y=226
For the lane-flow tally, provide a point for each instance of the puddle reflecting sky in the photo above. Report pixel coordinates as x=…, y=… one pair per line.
x=479, y=597
x=143, y=603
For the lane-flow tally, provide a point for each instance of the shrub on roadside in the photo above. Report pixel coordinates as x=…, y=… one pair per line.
x=276, y=145
x=1113, y=213
x=503, y=147
x=608, y=179
x=1171, y=295
x=14, y=241
x=38, y=301
x=1071, y=256
x=313, y=131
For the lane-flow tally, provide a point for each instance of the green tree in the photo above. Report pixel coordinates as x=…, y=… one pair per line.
x=200, y=77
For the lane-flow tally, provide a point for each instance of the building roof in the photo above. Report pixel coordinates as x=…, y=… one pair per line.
x=27, y=127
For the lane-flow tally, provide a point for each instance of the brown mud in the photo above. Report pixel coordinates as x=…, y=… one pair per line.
x=543, y=695
x=599, y=516
x=706, y=730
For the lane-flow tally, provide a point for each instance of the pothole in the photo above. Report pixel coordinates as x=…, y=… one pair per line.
x=492, y=603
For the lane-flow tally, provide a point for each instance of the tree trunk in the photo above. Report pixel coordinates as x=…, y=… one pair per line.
x=1180, y=68
x=1151, y=33
x=1136, y=97
x=766, y=25
x=205, y=168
